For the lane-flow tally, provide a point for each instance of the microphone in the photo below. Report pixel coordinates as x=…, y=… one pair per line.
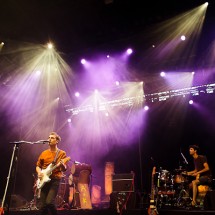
x=43, y=141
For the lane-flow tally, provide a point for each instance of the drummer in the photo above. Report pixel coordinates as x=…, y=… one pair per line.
x=201, y=172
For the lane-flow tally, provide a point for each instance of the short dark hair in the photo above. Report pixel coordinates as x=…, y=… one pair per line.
x=195, y=147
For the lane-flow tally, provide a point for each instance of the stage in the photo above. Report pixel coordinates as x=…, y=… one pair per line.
x=108, y=211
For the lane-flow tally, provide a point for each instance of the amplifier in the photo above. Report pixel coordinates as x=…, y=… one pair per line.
x=123, y=182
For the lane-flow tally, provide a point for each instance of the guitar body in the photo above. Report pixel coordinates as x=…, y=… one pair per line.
x=48, y=171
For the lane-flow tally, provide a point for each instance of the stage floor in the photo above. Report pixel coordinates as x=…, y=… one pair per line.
x=107, y=211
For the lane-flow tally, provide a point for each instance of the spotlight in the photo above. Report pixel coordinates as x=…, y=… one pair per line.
x=38, y=72
x=83, y=61
x=191, y=102
x=69, y=120
x=108, y=56
x=77, y=94
x=146, y=107
x=162, y=74
x=117, y=83
x=49, y=45
x=129, y=51
x=183, y=37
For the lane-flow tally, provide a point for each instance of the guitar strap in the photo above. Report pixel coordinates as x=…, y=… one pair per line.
x=55, y=158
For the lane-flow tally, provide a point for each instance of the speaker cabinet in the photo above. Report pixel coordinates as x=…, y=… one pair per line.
x=123, y=182
x=17, y=202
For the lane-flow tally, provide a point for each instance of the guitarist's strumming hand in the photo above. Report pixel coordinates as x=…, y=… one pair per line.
x=40, y=175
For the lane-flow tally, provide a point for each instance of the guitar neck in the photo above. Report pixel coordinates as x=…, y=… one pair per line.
x=65, y=160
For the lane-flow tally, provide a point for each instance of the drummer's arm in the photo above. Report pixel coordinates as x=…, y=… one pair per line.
x=192, y=172
x=205, y=169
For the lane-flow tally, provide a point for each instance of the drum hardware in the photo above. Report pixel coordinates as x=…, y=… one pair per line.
x=183, y=199
x=172, y=189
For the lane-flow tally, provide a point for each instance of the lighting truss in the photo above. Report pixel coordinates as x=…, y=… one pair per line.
x=139, y=99
x=106, y=106
x=192, y=91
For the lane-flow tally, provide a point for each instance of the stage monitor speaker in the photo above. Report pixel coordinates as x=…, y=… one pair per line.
x=209, y=200
x=123, y=182
x=17, y=202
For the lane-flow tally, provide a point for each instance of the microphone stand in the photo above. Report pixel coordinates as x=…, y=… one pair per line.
x=14, y=158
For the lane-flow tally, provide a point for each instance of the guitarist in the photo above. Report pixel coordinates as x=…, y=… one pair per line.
x=50, y=189
x=201, y=172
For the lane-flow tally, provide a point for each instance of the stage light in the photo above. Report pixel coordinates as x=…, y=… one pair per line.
x=183, y=37
x=129, y=51
x=117, y=83
x=77, y=94
x=108, y=56
x=191, y=102
x=69, y=120
x=50, y=45
x=38, y=72
x=162, y=74
x=83, y=61
x=146, y=107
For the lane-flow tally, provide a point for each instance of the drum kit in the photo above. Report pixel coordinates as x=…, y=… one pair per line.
x=172, y=189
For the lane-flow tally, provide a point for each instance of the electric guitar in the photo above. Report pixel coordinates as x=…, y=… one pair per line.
x=152, y=210
x=48, y=171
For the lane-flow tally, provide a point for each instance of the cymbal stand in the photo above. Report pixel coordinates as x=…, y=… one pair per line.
x=184, y=198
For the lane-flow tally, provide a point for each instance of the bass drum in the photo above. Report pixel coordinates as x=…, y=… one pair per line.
x=79, y=167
